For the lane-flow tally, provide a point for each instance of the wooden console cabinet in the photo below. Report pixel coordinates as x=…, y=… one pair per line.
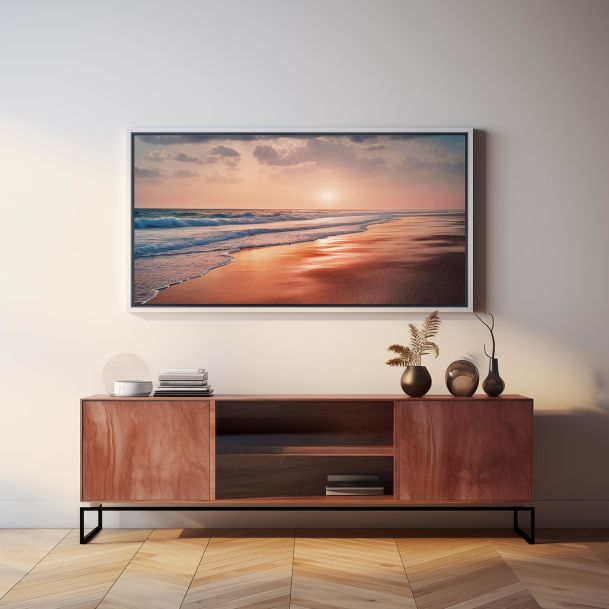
x=274, y=452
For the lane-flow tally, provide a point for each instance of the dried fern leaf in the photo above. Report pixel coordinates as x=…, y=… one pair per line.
x=400, y=350
x=416, y=339
x=396, y=361
x=431, y=325
x=431, y=348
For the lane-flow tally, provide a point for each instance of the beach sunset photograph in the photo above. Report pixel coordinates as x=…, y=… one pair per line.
x=299, y=219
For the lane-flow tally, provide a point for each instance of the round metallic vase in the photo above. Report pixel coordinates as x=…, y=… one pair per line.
x=415, y=381
x=462, y=378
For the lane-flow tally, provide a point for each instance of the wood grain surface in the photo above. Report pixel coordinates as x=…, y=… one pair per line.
x=345, y=572
x=74, y=576
x=450, y=572
x=241, y=569
x=149, y=451
x=160, y=572
x=305, y=569
x=465, y=451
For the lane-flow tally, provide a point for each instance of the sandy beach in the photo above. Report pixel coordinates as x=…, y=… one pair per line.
x=414, y=261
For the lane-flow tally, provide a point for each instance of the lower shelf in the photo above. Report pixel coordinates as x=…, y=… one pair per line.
x=251, y=476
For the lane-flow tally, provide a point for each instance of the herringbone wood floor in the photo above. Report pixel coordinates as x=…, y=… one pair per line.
x=295, y=569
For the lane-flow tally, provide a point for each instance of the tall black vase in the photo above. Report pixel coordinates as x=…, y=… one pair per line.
x=493, y=384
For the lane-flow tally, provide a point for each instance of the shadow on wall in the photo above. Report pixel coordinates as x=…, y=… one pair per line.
x=571, y=450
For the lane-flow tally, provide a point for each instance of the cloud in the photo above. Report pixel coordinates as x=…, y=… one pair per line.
x=149, y=173
x=185, y=173
x=447, y=166
x=454, y=167
x=268, y=155
x=158, y=155
x=410, y=136
x=165, y=139
x=358, y=138
x=168, y=139
x=182, y=157
x=376, y=147
x=322, y=152
x=223, y=154
x=417, y=164
x=431, y=168
x=225, y=151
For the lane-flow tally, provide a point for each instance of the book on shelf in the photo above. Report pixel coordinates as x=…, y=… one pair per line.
x=176, y=394
x=355, y=484
x=183, y=371
x=377, y=491
x=182, y=395
x=354, y=478
x=205, y=389
x=192, y=375
x=199, y=383
x=185, y=382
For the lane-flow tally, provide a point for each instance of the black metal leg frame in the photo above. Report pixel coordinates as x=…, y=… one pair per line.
x=515, y=509
x=93, y=532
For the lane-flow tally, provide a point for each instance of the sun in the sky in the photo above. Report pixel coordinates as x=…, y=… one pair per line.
x=328, y=196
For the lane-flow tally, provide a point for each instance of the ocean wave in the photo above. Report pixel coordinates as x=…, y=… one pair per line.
x=224, y=219
x=291, y=235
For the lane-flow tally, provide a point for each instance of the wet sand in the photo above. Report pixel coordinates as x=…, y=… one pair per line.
x=412, y=261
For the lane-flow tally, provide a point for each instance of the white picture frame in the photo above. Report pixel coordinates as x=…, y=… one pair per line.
x=469, y=237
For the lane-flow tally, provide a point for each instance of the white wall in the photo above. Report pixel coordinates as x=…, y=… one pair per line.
x=74, y=75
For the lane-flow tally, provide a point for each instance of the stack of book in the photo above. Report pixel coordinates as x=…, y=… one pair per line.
x=189, y=382
x=354, y=485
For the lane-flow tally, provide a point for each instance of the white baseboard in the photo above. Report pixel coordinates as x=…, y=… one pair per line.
x=64, y=514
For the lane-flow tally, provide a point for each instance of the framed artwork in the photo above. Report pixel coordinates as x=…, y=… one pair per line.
x=295, y=220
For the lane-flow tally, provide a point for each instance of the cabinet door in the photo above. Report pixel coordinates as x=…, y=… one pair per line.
x=145, y=450
x=461, y=450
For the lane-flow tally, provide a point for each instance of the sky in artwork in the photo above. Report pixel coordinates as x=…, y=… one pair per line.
x=300, y=171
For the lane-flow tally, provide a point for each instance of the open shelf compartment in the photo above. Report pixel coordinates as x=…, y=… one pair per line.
x=287, y=448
